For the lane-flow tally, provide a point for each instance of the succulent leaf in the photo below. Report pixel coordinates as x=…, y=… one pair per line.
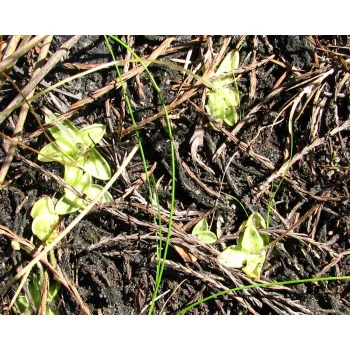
x=44, y=226
x=43, y=206
x=202, y=233
x=94, y=164
x=232, y=257
x=62, y=129
x=92, y=134
x=206, y=237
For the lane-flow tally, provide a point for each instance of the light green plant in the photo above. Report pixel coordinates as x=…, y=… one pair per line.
x=45, y=219
x=222, y=100
x=76, y=149
x=248, y=254
x=202, y=233
x=79, y=145
x=34, y=288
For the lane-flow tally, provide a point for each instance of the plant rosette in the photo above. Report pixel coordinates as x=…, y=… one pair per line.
x=73, y=145
x=222, y=100
x=248, y=254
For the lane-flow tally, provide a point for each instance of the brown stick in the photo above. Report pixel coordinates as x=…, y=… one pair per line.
x=23, y=113
x=36, y=78
x=7, y=62
x=58, y=275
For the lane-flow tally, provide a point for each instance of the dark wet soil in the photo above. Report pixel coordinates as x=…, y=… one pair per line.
x=110, y=256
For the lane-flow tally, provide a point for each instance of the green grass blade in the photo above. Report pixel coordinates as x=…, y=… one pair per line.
x=260, y=285
x=161, y=259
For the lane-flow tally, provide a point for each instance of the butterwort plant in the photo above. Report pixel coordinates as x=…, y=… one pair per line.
x=223, y=100
x=24, y=307
x=76, y=148
x=249, y=253
x=76, y=145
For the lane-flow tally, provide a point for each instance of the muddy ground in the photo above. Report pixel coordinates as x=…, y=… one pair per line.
x=109, y=259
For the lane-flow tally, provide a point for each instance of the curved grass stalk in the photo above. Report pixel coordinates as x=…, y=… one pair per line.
x=238, y=201
x=261, y=285
x=161, y=259
x=150, y=185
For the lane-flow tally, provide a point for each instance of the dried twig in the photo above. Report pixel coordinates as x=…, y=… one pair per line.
x=23, y=113
x=10, y=60
x=57, y=273
x=36, y=78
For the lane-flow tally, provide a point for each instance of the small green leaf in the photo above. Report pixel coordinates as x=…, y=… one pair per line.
x=72, y=175
x=51, y=150
x=254, y=265
x=84, y=183
x=44, y=226
x=70, y=202
x=24, y=307
x=249, y=247
x=67, y=205
x=202, y=233
x=222, y=106
x=43, y=206
x=66, y=146
x=206, y=237
x=251, y=242
x=63, y=129
x=232, y=257
x=35, y=289
x=231, y=119
x=92, y=134
x=202, y=225
x=53, y=291
x=257, y=220
x=229, y=96
x=94, y=190
x=94, y=164
x=229, y=64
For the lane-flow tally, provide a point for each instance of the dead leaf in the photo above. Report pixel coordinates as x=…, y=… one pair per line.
x=196, y=141
x=187, y=257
